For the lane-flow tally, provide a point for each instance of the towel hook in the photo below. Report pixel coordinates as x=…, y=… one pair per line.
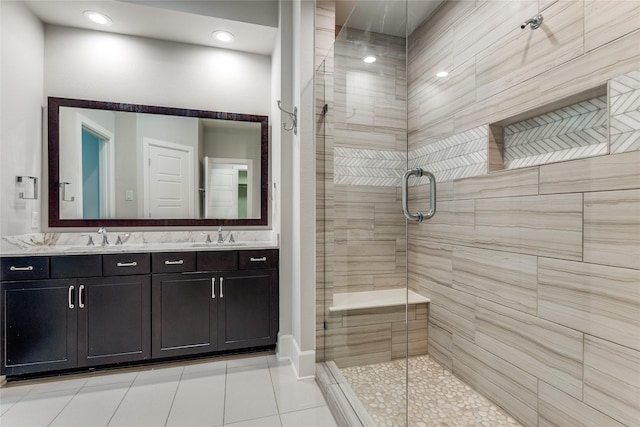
x=294, y=119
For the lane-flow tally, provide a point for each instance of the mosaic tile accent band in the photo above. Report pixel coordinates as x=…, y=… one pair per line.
x=353, y=166
x=624, y=98
x=458, y=156
x=573, y=132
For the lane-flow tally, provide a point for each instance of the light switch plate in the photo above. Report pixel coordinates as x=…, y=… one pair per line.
x=128, y=195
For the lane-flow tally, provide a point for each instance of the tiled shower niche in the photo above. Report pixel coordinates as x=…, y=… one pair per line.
x=570, y=129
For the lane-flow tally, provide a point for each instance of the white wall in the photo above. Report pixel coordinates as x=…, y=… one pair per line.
x=21, y=76
x=111, y=67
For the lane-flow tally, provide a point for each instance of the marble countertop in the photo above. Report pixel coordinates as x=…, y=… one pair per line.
x=131, y=248
x=43, y=244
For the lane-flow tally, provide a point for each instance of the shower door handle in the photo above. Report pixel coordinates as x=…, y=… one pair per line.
x=418, y=216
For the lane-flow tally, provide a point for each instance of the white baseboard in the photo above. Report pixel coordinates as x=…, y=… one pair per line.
x=284, y=346
x=304, y=362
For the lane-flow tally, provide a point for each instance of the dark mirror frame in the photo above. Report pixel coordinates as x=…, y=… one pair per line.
x=54, y=105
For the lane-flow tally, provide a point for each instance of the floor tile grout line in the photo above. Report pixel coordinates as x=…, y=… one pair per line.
x=68, y=402
x=174, y=397
x=115, y=411
x=273, y=388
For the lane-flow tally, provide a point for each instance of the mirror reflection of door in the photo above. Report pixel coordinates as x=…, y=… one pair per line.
x=227, y=193
x=168, y=179
x=92, y=175
x=95, y=173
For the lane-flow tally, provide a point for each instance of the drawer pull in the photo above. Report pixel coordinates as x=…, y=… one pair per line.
x=176, y=262
x=81, y=296
x=213, y=288
x=264, y=258
x=28, y=268
x=127, y=264
x=221, y=283
x=70, y=296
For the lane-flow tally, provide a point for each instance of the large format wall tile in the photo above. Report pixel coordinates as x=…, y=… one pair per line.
x=612, y=379
x=558, y=409
x=497, y=379
x=502, y=277
x=517, y=56
x=522, y=182
x=450, y=308
x=605, y=21
x=595, y=299
x=360, y=345
x=453, y=223
x=551, y=352
x=431, y=261
x=613, y=172
x=612, y=228
x=536, y=225
x=440, y=344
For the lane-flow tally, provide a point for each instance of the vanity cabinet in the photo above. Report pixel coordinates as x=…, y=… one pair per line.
x=81, y=311
x=39, y=326
x=218, y=308
x=248, y=303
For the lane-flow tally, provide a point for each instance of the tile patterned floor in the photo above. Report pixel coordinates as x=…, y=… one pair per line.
x=436, y=397
x=255, y=391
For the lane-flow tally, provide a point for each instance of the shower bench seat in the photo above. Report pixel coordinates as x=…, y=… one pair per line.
x=374, y=299
x=376, y=326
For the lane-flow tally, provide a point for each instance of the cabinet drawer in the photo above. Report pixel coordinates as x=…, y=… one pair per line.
x=24, y=268
x=173, y=262
x=69, y=266
x=217, y=260
x=125, y=264
x=259, y=259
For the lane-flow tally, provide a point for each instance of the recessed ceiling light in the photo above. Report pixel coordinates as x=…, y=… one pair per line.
x=442, y=74
x=370, y=59
x=97, y=17
x=223, y=36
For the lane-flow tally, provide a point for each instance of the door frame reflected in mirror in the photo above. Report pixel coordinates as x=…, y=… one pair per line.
x=55, y=219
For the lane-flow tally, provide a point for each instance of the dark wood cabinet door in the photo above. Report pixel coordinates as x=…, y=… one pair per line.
x=248, y=309
x=38, y=326
x=114, y=320
x=184, y=314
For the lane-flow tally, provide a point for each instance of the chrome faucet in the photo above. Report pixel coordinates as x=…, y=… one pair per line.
x=105, y=241
x=208, y=239
x=220, y=236
x=123, y=239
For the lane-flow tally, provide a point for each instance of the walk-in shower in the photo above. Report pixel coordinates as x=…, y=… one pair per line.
x=502, y=296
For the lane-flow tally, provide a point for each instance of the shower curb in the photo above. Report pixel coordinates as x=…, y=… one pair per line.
x=341, y=400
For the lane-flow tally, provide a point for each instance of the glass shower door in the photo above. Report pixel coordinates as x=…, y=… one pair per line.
x=363, y=122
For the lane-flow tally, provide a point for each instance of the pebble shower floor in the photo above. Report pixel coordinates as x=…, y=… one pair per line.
x=436, y=397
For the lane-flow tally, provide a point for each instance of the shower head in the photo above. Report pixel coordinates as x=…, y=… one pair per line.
x=535, y=22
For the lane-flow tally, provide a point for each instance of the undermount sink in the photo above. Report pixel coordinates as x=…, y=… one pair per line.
x=218, y=245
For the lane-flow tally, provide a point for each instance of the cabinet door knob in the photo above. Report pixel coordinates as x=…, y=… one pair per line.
x=221, y=283
x=213, y=288
x=81, y=296
x=70, y=296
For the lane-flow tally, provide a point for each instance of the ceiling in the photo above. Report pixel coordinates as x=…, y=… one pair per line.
x=253, y=22
x=389, y=17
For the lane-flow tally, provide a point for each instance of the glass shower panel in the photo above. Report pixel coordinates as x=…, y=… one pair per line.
x=364, y=253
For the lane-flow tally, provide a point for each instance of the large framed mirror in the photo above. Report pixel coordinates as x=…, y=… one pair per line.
x=120, y=165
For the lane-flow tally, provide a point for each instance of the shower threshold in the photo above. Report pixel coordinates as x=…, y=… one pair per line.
x=374, y=396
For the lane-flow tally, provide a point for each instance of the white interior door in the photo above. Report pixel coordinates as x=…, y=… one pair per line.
x=168, y=180
x=221, y=190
